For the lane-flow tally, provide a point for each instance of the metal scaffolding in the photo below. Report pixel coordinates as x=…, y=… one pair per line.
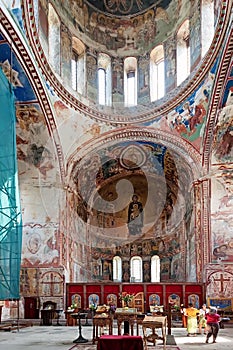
x=10, y=214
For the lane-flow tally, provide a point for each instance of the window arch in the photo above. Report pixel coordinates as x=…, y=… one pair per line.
x=130, y=81
x=102, y=86
x=207, y=25
x=183, y=53
x=155, y=268
x=136, y=269
x=117, y=269
x=104, y=80
x=36, y=12
x=78, y=66
x=54, y=39
x=157, y=73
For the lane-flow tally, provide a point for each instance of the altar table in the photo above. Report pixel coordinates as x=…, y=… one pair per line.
x=152, y=323
x=128, y=316
x=120, y=342
x=99, y=322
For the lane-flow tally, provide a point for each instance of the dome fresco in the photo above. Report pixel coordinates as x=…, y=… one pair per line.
x=129, y=7
x=125, y=27
x=119, y=38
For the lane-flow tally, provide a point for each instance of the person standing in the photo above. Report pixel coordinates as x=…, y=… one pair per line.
x=213, y=319
x=184, y=317
x=202, y=319
x=191, y=312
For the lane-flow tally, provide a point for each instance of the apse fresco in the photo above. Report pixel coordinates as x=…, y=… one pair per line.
x=168, y=250
x=127, y=194
x=119, y=172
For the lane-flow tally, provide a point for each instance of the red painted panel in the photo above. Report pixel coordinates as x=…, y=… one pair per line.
x=108, y=289
x=132, y=288
x=193, y=289
x=93, y=288
x=173, y=289
x=75, y=288
x=154, y=288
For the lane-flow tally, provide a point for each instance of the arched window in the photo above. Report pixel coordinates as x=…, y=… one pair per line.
x=36, y=12
x=117, y=269
x=207, y=25
x=157, y=73
x=102, y=86
x=78, y=66
x=183, y=53
x=54, y=39
x=155, y=268
x=104, y=80
x=136, y=269
x=130, y=81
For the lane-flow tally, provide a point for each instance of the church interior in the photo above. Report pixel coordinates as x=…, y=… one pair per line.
x=123, y=124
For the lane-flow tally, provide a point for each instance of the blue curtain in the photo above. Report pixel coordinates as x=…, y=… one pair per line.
x=10, y=215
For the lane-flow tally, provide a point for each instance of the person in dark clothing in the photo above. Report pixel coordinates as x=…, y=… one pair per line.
x=213, y=319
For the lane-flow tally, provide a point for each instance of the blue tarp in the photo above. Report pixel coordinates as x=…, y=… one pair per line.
x=10, y=215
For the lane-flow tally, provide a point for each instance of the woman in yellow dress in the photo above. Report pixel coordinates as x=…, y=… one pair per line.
x=191, y=313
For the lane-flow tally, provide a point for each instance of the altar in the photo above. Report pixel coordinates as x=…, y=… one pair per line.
x=128, y=316
x=116, y=342
x=99, y=322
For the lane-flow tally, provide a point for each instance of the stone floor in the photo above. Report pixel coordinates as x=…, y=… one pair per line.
x=54, y=337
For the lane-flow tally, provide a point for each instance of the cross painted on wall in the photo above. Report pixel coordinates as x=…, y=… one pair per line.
x=220, y=284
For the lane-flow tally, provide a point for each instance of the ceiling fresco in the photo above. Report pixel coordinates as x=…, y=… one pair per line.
x=126, y=7
x=15, y=73
x=135, y=26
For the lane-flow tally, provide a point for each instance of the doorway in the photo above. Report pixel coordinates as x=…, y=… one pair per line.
x=31, y=309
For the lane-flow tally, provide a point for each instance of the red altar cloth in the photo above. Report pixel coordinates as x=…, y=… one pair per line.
x=120, y=342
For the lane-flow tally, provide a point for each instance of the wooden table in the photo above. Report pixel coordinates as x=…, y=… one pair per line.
x=153, y=323
x=129, y=317
x=100, y=321
x=120, y=342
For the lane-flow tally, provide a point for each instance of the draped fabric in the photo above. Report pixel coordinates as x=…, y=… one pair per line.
x=10, y=215
x=116, y=342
